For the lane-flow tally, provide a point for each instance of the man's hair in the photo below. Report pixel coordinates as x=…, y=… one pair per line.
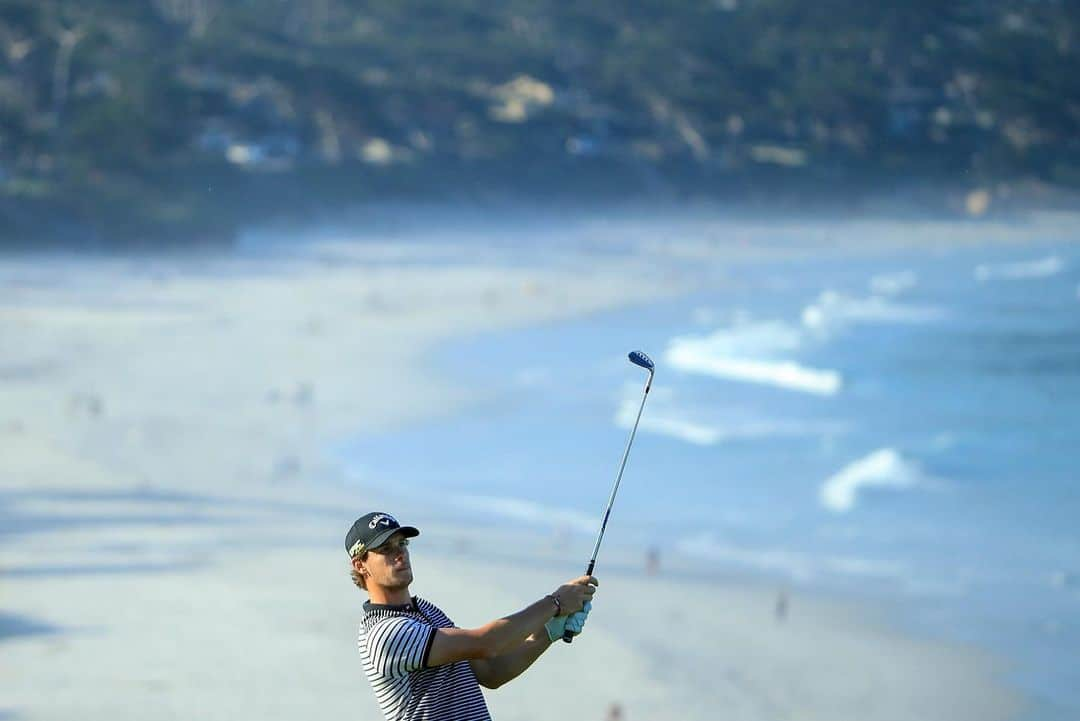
x=356, y=576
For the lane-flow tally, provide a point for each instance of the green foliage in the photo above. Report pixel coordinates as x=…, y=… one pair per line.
x=98, y=89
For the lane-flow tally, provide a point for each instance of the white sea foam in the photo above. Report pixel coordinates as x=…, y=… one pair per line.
x=692, y=426
x=662, y=419
x=782, y=374
x=795, y=564
x=832, y=310
x=893, y=283
x=669, y=425
x=798, y=565
x=746, y=339
x=762, y=352
x=751, y=353
x=1041, y=268
x=884, y=468
x=529, y=512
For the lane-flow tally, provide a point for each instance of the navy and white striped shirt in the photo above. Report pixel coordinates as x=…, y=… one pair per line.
x=395, y=642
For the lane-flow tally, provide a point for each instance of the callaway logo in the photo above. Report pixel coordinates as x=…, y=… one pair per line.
x=382, y=520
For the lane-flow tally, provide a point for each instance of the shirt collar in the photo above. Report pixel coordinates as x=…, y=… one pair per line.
x=410, y=606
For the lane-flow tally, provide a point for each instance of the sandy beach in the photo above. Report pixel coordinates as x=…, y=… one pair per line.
x=172, y=523
x=270, y=636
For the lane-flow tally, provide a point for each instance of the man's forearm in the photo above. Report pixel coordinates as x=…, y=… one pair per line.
x=506, y=634
x=512, y=664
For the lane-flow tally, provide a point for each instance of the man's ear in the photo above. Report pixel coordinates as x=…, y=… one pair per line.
x=358, y=566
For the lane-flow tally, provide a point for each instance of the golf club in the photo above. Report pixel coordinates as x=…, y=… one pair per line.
x=639, y=359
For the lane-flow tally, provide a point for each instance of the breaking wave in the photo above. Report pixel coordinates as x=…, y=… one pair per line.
x=528, y=512
x=833, y=310
x=764, y=352
x=893, y=283
x=751, y=353
x=1024, y=270
x=798, y=565
x=664, y=418
x=884, y=468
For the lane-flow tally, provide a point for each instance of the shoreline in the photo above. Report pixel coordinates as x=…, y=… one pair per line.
x=147, y=435
x=218, y=211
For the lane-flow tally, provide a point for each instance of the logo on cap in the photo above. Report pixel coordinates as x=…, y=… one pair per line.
x=382, y=520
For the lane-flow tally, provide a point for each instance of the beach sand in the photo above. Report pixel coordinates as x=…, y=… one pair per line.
x=172, y=523
x=271, y=636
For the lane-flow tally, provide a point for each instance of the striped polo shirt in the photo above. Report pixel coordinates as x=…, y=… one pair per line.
x=394, y=644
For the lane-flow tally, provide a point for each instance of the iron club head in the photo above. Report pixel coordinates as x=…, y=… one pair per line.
x=640, y=359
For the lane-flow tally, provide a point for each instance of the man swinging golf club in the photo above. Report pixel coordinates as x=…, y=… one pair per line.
x=420, y=665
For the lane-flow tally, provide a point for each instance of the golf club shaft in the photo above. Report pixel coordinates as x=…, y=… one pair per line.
x=567, y=636
x=618, y=480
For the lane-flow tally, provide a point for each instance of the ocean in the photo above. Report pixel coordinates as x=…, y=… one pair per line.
x=902, y=425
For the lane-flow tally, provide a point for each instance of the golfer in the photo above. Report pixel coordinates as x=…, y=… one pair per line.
x=422, y=666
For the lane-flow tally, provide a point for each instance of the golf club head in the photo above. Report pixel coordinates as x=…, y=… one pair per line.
x=640, y=359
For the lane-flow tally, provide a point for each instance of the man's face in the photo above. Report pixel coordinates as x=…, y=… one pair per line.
x=388, y=565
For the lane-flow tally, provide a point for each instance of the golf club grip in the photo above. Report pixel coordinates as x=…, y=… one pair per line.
x=567, y=636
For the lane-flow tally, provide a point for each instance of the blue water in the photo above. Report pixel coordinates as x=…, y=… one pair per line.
x=959, y=391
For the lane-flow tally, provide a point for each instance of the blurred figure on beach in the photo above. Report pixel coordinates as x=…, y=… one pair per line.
x=781, y=609
x=652, y=561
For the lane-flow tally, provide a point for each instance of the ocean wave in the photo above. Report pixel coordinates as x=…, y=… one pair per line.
x=884, y=468
x=668, y=425
x=1023, y=270
x=798, y=565
x=762, y=352
x=748, y=353
x=893, y=283
x=832, y=310
x=691, y=427
x=528, y=512
x=743, y=339
x=782, y=374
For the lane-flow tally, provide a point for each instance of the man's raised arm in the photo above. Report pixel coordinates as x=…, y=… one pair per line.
x=510, y=633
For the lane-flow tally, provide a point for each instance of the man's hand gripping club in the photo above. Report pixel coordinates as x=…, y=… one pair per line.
x=573, y=602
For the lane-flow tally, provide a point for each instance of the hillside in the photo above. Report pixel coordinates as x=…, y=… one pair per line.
x=185, y=118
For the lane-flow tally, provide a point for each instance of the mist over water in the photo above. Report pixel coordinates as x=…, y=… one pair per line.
x=900, y=424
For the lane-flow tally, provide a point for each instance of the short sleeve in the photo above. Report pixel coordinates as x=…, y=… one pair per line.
x=397, y=646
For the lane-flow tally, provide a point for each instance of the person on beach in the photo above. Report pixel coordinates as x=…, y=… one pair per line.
x=420, y=665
